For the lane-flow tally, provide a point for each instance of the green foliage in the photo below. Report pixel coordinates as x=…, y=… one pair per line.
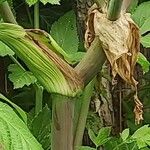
x=20, y=77
x=145, y=40
x=32, y=2
x=125, y=134
x=18, y=110
x=142, y=136
x=145, y=64
x=5, y=50
x=141, y=14
x=86, y=148
x=40, y=127
x=141, y=17
x=14, y=134
x=64, y=31
x=44, y=69
x=102, y=137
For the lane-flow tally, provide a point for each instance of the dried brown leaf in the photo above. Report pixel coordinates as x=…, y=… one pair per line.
x=121, y=42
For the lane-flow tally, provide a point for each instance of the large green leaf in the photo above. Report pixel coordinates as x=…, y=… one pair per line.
x=14, y=134
x=20, y=77
x=40, y=127
x=145, y=40
x=146, y=26
x=142, y=13
x=5, y=50
x=145, y=64
x=64, y=31
x=142, y=136
x=20, y=112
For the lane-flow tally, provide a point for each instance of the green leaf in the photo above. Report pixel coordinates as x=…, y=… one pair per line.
x=142, y=136
x=86, y=148
x=64, y=31
x=31, y=2
x=1, y=1
x=40, y=127
x=5, y=50
x=133, y=6
x=143, y=62
x=18, y=109
x=103, y=136
x=146, y=26
x=92, y=136
x=20, y=77
x=125, y=134
x=141, y=132
x=50, y=1
x=14, y=134
x=142, y=13
x=145, y=40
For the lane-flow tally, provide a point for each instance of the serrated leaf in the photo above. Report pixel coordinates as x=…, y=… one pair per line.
x=40, y=127
x=14, y=134
x=92, y=136
x=103, y=136
x=5, y=50
x=145, y=64
x=50, y=1
x=142, y=13
x=18, y=109
x=125, y=134
x=31, y=2
x=20, y=77
x=145, y=40
x=64, y=31
x=86, y=148
x=141, y=132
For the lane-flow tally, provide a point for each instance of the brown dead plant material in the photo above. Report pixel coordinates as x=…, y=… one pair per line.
x=121, y=42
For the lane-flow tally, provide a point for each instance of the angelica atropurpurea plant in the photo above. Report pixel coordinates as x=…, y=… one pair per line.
x=50, y=65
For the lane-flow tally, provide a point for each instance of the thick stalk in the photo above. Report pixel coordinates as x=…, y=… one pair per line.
x=114, y=9
x=91, y=64
x=36, y=16
x=62, y=122
x=86, y=97
x=6, y=13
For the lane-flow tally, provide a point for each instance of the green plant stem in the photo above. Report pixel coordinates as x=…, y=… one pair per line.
x=38, y=98
x=62, y=122
x=86, y=97
x=36, y=16
x=92, y=62
x=6, y=13
x=114, y=9
x=16, y=62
